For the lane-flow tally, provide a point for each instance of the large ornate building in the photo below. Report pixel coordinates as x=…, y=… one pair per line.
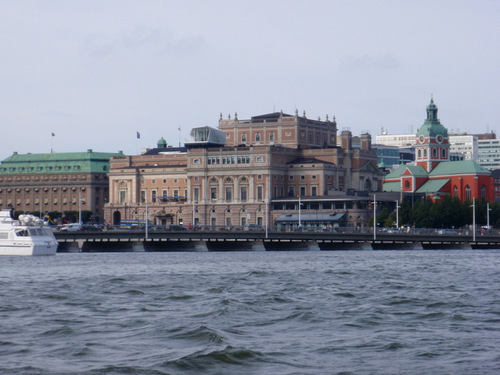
x=246, y=172
x=62, y=182
x=433, y=174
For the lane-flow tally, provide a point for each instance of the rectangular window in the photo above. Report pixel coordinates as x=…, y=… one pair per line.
x=229, y=194
x=259, y=193
x=302, y=191
x=213, y=193
x=291, y=191
x=164, y=193
x=314, y=191
x=143, y=196
x=196, y=194
x=122, y=196
x=153, y=195
x=243, y=193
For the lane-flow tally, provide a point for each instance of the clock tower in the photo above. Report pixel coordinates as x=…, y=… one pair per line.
x=432, y=146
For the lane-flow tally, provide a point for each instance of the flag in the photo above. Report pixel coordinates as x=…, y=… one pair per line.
x=138, y=135
x=53, y=135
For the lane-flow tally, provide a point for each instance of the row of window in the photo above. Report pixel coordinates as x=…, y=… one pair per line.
x=434, y=153
x=47, y=168
x=257, y=138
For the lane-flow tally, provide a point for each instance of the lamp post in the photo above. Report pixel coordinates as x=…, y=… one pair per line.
x=194, y=210
x=473, y=219
x=300, y=221
x=397, y=214
x=146, y=233
x=79, y=206
x=374, y=217
x=488, y=209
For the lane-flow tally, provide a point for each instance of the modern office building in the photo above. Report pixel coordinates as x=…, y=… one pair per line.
x=248, y=172
x=489, y=153
x=56, y=182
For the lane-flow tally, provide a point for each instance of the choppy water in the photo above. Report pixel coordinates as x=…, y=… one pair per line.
x=360, y=312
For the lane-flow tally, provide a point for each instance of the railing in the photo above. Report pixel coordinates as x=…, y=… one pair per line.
x=294, y=229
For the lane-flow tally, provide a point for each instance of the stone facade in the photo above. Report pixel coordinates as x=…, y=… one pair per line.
x=234, y=182
x=56, y=182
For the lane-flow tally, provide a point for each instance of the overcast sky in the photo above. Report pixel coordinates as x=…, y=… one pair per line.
x=96, y=72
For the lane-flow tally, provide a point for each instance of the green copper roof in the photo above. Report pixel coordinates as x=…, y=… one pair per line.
x=397, y=172
x=432, y=126
x=415, y=170
x=458, y=168
x=432, y=186
x=69, y=162
x=162, y=143
x=392, y=186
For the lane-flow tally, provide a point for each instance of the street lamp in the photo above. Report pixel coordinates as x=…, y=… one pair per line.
x=473, y=219
x=267, y=217
x=374, y=217
x=488, y=209
x=194, y=209
x=397, y=214
x=300, y=221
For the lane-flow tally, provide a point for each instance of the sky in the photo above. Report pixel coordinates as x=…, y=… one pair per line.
x=96, y=72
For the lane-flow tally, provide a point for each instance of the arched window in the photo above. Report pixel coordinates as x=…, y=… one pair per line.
x=419, y=153
x=425, y=152
x=271, y=137
x=467, y=193
x=455, y=191
x=243, y=138
x=434, y=152
x=257, y=138
x=443, y=153
x=368, y=185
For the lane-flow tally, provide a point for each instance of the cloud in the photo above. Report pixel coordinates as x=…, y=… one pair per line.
x=140, y=40
x=369, y=62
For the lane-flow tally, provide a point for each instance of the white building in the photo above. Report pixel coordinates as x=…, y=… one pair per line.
x=464, y=144
x=398, y=140
x=489, y=153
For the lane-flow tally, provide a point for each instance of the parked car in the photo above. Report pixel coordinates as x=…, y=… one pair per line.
x=175, y=228
x=73, y=227
x=254, y=228
x=91, y=228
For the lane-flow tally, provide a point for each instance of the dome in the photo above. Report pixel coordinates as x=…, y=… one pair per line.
x=432, y=126
x=162, y=143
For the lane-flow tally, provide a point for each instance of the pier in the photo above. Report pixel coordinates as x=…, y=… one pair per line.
x=238, y=240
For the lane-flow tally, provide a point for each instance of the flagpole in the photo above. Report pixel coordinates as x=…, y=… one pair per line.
x=52, y=142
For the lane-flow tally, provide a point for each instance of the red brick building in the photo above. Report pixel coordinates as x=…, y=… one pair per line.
x=433, y=174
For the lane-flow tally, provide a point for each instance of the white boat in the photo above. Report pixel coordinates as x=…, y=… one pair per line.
x=26, y=236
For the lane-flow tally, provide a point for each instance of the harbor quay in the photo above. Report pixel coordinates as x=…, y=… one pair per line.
x=271, y=240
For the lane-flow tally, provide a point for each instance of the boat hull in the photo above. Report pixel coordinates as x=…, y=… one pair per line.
x=28, y=250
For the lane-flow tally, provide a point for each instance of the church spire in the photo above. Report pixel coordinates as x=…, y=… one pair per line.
x=432, y=111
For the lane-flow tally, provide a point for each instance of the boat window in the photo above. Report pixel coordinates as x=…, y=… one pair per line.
x=36, y=232
x=22, y=233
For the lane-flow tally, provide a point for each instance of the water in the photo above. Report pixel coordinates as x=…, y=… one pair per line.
x=358, y=312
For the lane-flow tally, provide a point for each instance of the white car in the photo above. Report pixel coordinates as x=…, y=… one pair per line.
x=73, y=227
